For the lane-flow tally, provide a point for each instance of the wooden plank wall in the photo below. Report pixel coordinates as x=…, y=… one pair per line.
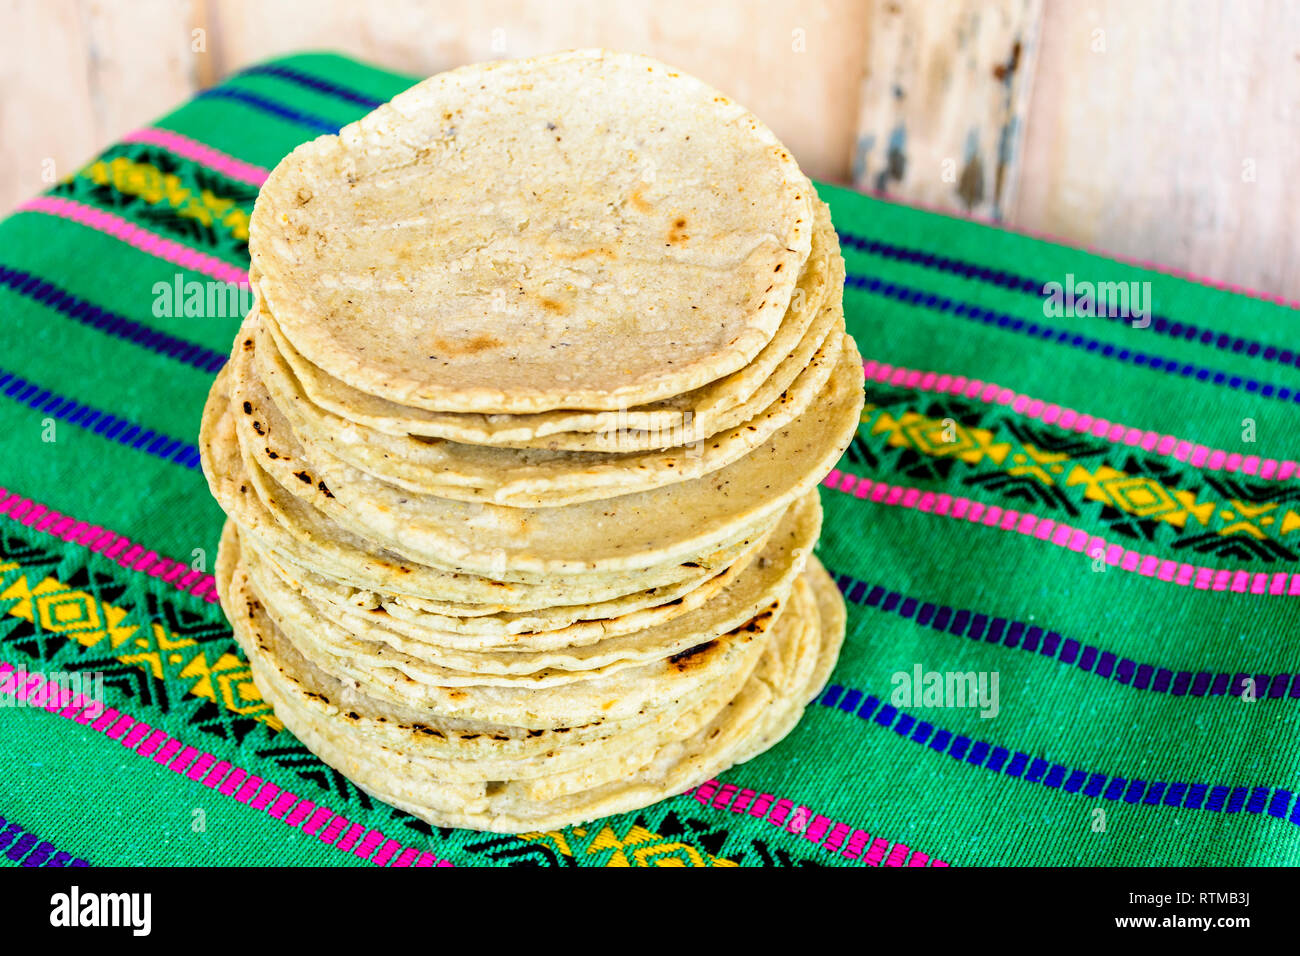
x=943, y=102
x=1166, y=129
x=1170, y=130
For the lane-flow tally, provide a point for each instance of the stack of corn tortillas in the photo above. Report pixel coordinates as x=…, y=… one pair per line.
x=520, y=445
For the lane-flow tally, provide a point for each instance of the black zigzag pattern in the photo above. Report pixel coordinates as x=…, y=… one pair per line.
x=1241, y=547
x=1023, y=488
x=1254, y=492
x=1050, y=439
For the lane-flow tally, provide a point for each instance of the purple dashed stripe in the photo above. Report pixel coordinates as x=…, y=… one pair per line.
x=110, y=323
x=1033, y=638
x=1048, y=333
x=1161, y=325
x=26, y=849
x=1257, y=799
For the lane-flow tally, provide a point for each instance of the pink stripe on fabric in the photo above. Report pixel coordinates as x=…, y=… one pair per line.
x=386, y=852
x=218, y=773
x=60, y=699
x=120, y=549
x=138, y=732
x=75, y=703
x=836, y=838
x=45, y=697
x=300, y=812
x=230, y=786
x=333, y=829
x=351, y=837
x=779, y=812
x=816, y=831
x=183, y=760
x=282, y=804
x=238, y=783
x=29, y=519
x=265, y=794
x=1198, y=456
x=318, y=820
x=798, y=819
x=857, y=841
x=705, y=791
x=1075, y=539
x=876, y=854
x=200, y=153
x=249, y=789
x=23, y=683
x=120, y=552
x=151, y=743
x=136, y=236
x=368, y=843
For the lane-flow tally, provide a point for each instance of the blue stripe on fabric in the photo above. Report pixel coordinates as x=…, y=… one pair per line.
x=26, y=849
x=110, y=323
x=1047, y=333
x=317, y=123
x=1036, y=770
x=100, y=422
x=312, y=82
x=1161, y=325
x=1068, y=651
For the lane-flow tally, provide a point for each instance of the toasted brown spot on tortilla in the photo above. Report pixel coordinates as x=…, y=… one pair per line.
x=638, y=202
x=684, y=660
x=479, y=343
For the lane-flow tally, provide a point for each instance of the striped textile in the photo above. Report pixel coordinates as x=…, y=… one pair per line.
x=1097, y=516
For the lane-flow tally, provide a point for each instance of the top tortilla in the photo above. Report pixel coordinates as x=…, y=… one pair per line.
x=691, y=414
x=588, y=230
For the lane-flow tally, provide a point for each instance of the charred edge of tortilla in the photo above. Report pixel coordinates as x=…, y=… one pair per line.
x=758, y=623
x=683, y=661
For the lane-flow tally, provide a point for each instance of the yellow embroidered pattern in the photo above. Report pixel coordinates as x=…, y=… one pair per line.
x=1139, y=495
x=154, y=186
x=637, y=847
x=78, y=616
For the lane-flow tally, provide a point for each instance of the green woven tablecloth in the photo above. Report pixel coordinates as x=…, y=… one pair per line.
x=1100, y=513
